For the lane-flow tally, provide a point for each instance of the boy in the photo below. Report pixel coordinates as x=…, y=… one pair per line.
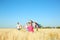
x=18, y=26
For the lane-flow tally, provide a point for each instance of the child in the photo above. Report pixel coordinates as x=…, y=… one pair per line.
x=30, y=27
x=19, y=26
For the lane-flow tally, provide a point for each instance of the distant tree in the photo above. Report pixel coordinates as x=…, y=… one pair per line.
x=58, y=27
x=48, y=27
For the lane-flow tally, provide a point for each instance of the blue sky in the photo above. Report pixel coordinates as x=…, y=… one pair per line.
x=45, y=12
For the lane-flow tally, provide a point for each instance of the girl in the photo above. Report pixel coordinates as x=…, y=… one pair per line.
x=30, y=27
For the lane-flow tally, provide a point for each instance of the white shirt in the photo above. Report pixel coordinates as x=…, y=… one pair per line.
x=33, y=24
x=18, y=26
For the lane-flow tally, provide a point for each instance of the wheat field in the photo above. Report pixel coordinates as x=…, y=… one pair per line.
x=41, y=34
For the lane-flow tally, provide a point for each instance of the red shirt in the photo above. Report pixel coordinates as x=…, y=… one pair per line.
x=30, y=28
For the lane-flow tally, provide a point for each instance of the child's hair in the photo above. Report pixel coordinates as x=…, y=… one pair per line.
x=17, y=22
x=30, y=23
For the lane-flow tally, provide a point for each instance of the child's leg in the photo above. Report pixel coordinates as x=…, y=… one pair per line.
x=36, y=29
x=18, y=28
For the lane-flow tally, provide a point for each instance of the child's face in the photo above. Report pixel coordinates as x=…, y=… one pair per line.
x=29, y=24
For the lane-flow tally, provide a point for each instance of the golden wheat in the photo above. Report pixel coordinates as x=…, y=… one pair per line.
x=41, y=34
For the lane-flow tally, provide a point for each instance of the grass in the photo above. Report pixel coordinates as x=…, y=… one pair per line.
x=41, y=34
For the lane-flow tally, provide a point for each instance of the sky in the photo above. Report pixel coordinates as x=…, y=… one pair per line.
x=44, y=12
